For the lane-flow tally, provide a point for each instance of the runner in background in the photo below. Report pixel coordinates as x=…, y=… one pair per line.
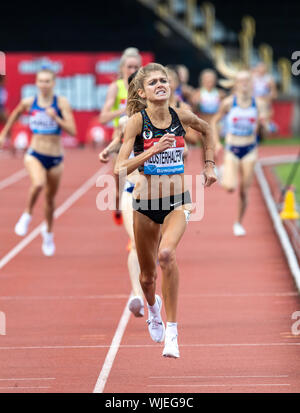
x=184, y=90
x=207, y=97
x=206, y=100
x=264, y=88
x=243, y=116
x=136, y=303
x=115, y=104
x=49, y=114
x=177, y=103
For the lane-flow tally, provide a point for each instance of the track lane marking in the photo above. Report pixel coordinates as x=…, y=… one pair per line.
x=219, y=385
x=215, y=377
x=115, y=345
x=12, y=179
x=29, y=379
x=58, y=212
x=112, y=352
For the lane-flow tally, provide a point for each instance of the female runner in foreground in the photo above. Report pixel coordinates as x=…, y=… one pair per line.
x=44, y=158
x=136, y=303
x=161, y=207
x=243, y=112
x=115, y=104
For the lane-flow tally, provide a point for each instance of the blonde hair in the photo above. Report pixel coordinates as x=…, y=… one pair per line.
x=134, y=102
x=130, y=52
x=46, y=70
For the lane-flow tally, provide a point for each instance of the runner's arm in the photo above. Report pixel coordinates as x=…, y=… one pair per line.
x=22, y=107
x=107, y=114
x=67, y=122
x=223, y=110
x=190, y=119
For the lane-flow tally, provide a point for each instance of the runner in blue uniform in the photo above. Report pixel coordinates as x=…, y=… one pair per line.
x=49, y=114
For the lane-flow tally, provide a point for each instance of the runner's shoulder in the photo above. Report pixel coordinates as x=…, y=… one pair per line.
x=135, y=122
x=226, y=103
x=26, y=103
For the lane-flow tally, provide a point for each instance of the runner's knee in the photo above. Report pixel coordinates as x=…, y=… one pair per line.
x=228, y=188
x=166, y=256
x=37, y=187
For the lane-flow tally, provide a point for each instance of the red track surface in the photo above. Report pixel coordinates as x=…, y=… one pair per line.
x=236, y=299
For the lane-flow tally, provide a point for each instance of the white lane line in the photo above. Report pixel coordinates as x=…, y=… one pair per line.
x=277, y=223
x=122, y=296
x=65, y=297
x=230, y=295
x=25, y=387
x=17, y=176
x=112, y=352
x=115, y=345
x=58, y=212
x=29, y=379
x=218, y=385
x=221, y=377
x=279, y=159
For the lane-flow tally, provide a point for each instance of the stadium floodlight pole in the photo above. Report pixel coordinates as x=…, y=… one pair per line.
x=290, y=177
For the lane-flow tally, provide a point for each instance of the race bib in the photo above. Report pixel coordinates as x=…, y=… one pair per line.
x=244, y=126
x=168, y=162
x=41, y=122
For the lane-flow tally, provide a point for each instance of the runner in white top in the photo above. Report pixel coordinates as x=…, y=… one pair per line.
x=243, y=116
x=264, y=88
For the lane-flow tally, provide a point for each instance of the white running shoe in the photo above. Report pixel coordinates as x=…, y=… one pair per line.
x=21, y=227
x=156, y=326
x=48, y=246
x=238, y=230
x=171, y=347
x=136, y=306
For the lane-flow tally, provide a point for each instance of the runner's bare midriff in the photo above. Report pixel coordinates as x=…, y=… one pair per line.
x=240, y=140
x=159, y=186
x=47, y=144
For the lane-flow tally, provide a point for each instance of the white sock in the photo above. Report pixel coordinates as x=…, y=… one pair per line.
x=48, y=236
x=26, y=215
x=153, y=309
x=171, y=329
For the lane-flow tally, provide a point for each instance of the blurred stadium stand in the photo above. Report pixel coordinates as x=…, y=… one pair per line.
x=191, y=32
x=113, y=25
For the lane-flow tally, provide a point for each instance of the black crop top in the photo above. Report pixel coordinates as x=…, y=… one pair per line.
x=169, y=161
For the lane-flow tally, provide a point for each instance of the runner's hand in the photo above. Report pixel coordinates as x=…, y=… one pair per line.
x=209, y=174
x=51, y=112
x=104, y=156
x=166, y=142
